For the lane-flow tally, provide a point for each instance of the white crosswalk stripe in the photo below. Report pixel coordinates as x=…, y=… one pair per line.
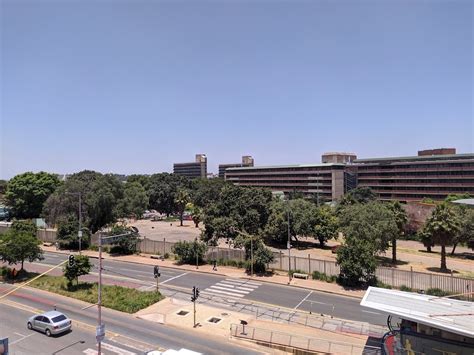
x=232, y=287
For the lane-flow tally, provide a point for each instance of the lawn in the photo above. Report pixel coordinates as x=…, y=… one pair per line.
x=116, y=297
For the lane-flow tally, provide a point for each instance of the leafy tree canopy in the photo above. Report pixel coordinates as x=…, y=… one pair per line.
x=135, y=200
x=18, y=246
x=82, y=266
x=26, y=193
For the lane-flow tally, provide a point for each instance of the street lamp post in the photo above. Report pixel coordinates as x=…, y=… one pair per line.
x=289, y=246
x=79, y=233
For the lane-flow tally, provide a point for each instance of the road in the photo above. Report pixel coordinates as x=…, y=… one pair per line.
x=126, y=335
x=274, y=294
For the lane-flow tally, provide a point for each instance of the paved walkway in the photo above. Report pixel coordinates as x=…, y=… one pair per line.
x=227, y=271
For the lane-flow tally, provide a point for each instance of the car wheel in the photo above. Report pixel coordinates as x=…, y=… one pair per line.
x=29, y=325
x=48, y=332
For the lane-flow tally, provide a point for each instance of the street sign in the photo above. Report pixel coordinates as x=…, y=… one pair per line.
x=79, y=234
x=100, y=332
x=288, y=245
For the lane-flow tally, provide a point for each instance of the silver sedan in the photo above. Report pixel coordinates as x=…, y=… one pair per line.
x=52, y=322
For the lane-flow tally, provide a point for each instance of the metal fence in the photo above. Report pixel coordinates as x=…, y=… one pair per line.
x=299, y=342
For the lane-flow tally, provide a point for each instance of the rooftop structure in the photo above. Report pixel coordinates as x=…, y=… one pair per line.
x=247, y=161
x=338, y=157
x=196, y=169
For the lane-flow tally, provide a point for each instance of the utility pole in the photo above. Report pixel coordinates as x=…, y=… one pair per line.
x=79, y=233
x=196, y=251
x=100, y=334
x=289, y=246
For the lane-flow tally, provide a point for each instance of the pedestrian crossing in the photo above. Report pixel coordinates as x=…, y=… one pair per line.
x=232, y=287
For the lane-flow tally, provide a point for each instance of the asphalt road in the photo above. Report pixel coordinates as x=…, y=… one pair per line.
x=126, y=335
x=249, y=290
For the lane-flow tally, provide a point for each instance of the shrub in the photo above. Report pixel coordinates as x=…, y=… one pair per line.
x=166, y=255
x=187, y=252
x=382, y=285
x=323, y=277
x=406, y=288
x=437, y=292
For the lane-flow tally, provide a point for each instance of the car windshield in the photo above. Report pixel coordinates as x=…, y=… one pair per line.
x=59, y=318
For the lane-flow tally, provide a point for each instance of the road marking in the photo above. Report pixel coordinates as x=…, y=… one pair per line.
x=210, y=291
x=238, y=284
x=117, y=350
x=90, y=351
x=304, y=299
x=371, y=312
x=226, y=289
x=23, y=338
x=175, y=277
x=22, y=335
x=328, y=304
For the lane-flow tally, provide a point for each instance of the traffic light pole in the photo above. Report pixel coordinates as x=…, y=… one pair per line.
x=194, y=313
x=99, y=301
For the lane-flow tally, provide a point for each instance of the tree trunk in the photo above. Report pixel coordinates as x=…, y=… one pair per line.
x=443, y=258
x=428, y=248
x=181, y=218
x=394, y=250
x=321, y=242
x=22, y=264
x=454, y=248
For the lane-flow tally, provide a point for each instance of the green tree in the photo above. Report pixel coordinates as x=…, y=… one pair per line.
x=373, y=222
x=357, y=262
x=187, y=252
x=454, y=197
x=143, y=180
x=197, y=215
x=401, y=220
x=67, y=234
x=358, y=195
x=207, y=191
x=443, y=225
x=326, y=224
x=262, y=256
x=26, y=193
x=100, y=197
x=135, y=200
x=82, y=266
x=16, y=247
x=466, y=230
x=3, y=189
x=126, y=244
x=181, y=200
x=163, y=190
x=27, y=227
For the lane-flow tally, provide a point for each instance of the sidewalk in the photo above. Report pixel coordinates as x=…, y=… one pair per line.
x=315, y=285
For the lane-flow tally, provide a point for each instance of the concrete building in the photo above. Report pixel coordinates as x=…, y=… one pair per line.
x=431, y=174
x=324, y=181
x=337, y=157
x=196, y=169
x=247, y=161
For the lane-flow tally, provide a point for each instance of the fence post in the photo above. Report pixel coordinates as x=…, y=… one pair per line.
x=452, y=281
x=324, y=266
x=411, y=276
x=309, y=264
x=294, y=262
x=164, y=246
x=393, y=277
x=431, y=280
x=281, y=261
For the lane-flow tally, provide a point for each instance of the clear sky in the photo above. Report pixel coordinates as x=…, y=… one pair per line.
x=133, y=86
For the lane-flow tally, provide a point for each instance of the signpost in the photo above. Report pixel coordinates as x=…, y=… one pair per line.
x=194, y=297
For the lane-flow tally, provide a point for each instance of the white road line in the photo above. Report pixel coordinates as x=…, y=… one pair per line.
x=223, y=292
x=117, y=350
x=246, y=288
x=20, y=334
x=304, y=299
x=225, y=285
x=90, y=351
x=252, y=283
x=228, y=289
x=235, y=286
x=175, y=277
x=371, y=312
x=24, y=337
x=328, y=304
x=246, y=284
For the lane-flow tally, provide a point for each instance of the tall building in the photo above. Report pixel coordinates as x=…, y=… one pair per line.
x=196, y=169
x=247, y=161
x=324, y=181
x=431, y=174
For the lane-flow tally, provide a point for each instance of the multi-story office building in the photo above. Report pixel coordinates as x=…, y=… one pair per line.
x=324, y=181
x=196, y=169
x=432, y=174
x=247, y=161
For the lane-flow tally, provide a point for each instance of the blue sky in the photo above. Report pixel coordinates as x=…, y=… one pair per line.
x=133, y=86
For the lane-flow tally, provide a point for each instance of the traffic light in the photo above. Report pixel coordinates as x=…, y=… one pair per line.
x=195, y=294
x=71, y=261
x=156, y=271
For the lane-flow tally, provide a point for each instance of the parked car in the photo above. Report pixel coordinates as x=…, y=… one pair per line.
x=50, y=323
x=4, y=213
